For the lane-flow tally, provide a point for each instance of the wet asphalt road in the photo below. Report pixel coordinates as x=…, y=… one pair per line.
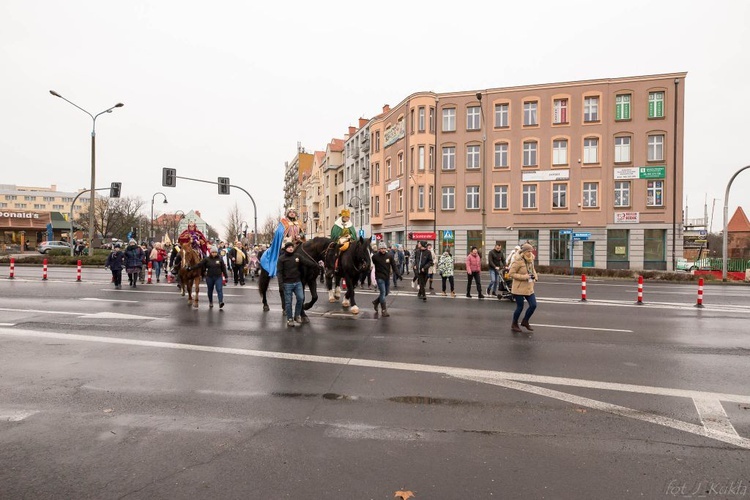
x=131, y=394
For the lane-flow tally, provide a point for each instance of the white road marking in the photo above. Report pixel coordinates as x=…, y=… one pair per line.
x=39, y=311
x=176, y=293
x=7, y=324
x=109, y=300
x=714, y=417
x=114, y=315
x=584, y=328
x=504, y=379
x=705, y=431
x=15, y=415
x=648, y=305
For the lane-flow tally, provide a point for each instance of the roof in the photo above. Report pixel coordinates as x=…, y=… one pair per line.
x=738, y=223
x=337, y=145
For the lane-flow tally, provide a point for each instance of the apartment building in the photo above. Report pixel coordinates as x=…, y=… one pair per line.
x=294, y=171
x=41, y=199
x=357, y=175
x=590, y=170
x=312, y=187
x=332, y=180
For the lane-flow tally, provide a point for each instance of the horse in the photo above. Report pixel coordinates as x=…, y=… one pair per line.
x=192, y=276
x=310, y=252
x=352, y=263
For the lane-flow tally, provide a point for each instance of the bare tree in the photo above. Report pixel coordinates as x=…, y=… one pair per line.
x=114, y=217
x=266, y=230
x=234, y=224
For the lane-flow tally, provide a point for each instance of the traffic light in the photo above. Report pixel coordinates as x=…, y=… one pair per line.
x=223, y=185
x=169, y=177
x=114, y=189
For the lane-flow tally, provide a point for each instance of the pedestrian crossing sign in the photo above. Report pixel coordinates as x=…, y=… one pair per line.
x=448, y=235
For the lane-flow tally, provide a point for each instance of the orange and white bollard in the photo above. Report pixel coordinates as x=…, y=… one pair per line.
x=12, y=268
x=640, y=291
x=44, y=270
x=343, y=284
x=150, y=271
x=583, y=288
x=700, y=293
x=78, y=276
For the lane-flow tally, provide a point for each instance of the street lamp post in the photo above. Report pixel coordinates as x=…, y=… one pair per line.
x=725, y=236
x=176, y=223
x=92, y=229
x=482, y=161
x=357, y=207
x=151, y=231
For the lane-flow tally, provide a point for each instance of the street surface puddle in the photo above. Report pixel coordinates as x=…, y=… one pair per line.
x=425, y=400
x=329, y=395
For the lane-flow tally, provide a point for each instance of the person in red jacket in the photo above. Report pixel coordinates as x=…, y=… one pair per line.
x=474, y=270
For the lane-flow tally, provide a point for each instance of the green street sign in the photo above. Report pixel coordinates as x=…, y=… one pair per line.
x=652, y=172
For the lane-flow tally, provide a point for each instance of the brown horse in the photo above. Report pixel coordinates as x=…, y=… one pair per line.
x=190, y=273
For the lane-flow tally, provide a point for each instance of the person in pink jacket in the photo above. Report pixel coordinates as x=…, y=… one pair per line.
x=474, y=270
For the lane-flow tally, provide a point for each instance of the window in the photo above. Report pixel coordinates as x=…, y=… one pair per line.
x=591, y=150
x=431, y=198
x=39, y=206
x=388, y=203
x=400, y=163
x=654, y=248
x=560, y=108
x=472, y=197
x=432, y=158
x=501, y=115
x=420, y=119
x=12, y=197
x=560, y=152
x=622, y=149
x=449, y=198
x=529, y=113
x=590, y=194
x=449, y=158
x=472, y=118
x=400, y=200
x=432, y=120
x=49, y=198
x=449, y=120
x=3, y=205
x=472, y=156
x=617, y=247
x=377, y=141
x=58, y=207
x=591, y=109
x=377, y=206
x=421, y=157
x=529, y=196
x=420, y=198
x=20, y=205
x=559, y=247
x=29, y=198
x=500, y=198
x=411, y=121
x=656, y=147
x=388, y=172
x=559, y=195
x=622, y=193
x=474, y=239
x=655, y=194
x=529, y=154
x=656, y=104
x=622, y=107
x=377, y=173
x=501, y=155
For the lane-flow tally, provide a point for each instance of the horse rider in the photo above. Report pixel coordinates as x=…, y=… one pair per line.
x=289, y=229
x=342, y=232
x=195, y=237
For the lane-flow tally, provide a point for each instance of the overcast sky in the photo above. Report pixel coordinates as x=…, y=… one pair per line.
x=228, y=88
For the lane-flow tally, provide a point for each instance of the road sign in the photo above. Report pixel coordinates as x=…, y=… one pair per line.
x=361, y=233
x=563, y=232
x=581, y=236
x=448, y=235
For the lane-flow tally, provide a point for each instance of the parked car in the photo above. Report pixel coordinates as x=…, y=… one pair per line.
x=109, y=245
x=46, y=246
x=682, y=264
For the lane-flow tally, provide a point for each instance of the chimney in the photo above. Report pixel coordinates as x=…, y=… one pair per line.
x=386, y=108
x=197, y=213
x=363, y=122
x=352, y=130
x=53, y=187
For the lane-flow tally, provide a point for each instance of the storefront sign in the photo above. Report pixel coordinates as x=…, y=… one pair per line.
x=19, y=219
x=422, y=236
x=640, y=173
x=393, y=185
x=546, y=175
x=394, y=133
x=627, y=217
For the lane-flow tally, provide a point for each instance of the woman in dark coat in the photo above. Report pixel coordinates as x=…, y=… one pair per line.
x=133, y=261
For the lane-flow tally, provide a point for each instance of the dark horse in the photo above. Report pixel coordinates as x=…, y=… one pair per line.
x=190, y=273
x=355, y=261
x=310, y=253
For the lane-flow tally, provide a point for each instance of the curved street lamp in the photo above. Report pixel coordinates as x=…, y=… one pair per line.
x=176, y=223
x=357, y=206
x=92, y=229
x=725, y=239
x=151, y=232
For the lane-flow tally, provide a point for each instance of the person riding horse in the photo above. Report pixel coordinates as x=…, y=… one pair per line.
x=195, y=237
x=342, y=232
x=289, y=229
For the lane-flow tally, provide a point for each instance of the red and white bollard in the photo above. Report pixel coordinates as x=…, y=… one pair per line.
x=150, y=270
x=12, y=268
x=700, y=293
x=640, y=291
x=78, y=277
x=44, y=270
x=583, y=288
x=343, y=284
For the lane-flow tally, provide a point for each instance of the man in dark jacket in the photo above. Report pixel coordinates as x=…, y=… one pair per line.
x=290, y=277
x=496, y=263
x=384, y=263
x=214, y=271
x=115, y=262
x=422, y=259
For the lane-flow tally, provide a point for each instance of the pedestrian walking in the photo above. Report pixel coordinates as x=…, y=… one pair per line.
x=142, y=271
x=496, y=263
x=474, y=270
x=239, y=261
x=214, y=270
x=115, y=262
x=157, y=257
x=512, y=255
x=384, y=263
x=407, y=254
x=133, y=261
x=524, y=276
x=288, y=272
x=422, y=263
x=431, y=271
x=394, y=256
x=446, y=268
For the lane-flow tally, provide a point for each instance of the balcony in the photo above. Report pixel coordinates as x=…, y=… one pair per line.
x=316, y=215
x=365, y=146
x=365, y=173
x=355, y=152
